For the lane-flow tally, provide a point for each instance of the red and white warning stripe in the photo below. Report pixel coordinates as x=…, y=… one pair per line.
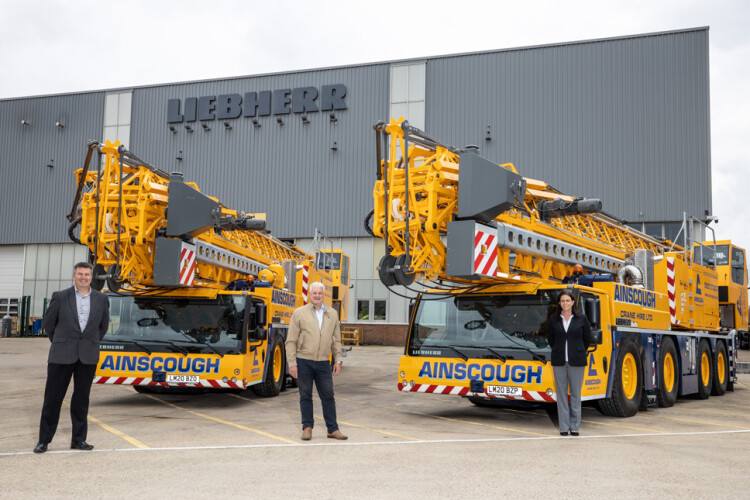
x=465, y=391
x=305, y=278
x=671, y=291
x=209, y=383
x=187, y=264
x=485, y=251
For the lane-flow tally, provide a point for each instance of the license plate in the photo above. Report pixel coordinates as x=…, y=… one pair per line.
x=503, y=390
x=183, y=379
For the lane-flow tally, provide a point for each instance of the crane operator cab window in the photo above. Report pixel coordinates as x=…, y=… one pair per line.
x=328, y=261
x=180, y=324
x=509, y=326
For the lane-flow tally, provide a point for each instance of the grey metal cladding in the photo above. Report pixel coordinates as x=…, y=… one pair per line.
x=167, y=261
x=189, y=212
x=460, y=249
x=290, y=171
x=35, y=197
x=485, y=189
x=625, y=120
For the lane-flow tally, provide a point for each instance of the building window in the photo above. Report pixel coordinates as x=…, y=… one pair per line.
x=672, y=231
x=653, y=229
x=117, y=110
x=379, y=310
x=408, y=93
x=363, y=310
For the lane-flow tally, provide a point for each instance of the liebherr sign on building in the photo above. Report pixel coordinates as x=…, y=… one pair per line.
x=252, y=104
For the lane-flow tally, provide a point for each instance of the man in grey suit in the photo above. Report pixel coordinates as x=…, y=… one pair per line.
x=77, y=318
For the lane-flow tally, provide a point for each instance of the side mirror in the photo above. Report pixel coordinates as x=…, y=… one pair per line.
x=260, y=314
x=255, y=320
x=596, y=340
x=260, y=330
x=592, y=309
x=412, y=303
x=261, y=333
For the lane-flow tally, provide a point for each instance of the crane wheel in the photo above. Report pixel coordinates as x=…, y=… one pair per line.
x=385, y=270
x=275, y=372
x=628, y=385
x=705, y=370
x=721, y=370
x=98, y=277
x=666, y=392
x=403, y=277
x=113, y=273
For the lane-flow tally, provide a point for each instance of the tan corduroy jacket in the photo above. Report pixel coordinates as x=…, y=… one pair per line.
x=307, y=341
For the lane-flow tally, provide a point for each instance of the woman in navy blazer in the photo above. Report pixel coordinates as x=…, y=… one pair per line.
x=569, y=336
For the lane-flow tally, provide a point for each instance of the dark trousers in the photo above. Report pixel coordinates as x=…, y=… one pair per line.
x=569, y=377
x=58, y=380
x=320, y=372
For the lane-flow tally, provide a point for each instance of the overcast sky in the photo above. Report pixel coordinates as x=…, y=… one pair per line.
x=49, y=47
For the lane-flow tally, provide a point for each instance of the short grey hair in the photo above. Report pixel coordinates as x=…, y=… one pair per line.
x=318, y=284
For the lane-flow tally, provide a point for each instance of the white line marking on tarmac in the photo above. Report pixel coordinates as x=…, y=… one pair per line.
x=378, y=443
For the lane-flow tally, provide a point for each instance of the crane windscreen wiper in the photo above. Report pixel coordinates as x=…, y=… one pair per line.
x=462, y=355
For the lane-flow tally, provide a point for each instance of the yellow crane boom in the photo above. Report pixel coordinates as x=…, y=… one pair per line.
x=147, y=229
x=544, y=232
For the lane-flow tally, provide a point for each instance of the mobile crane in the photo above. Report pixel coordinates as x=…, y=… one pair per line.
x=200, y=295
x=487, y=252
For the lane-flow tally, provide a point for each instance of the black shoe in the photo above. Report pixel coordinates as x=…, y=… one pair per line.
x=81, y=445
x=563, y=433
x=40, y=447
x=573, y=433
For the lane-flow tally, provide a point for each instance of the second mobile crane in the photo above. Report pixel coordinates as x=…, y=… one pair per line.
x=200, y=295
x=492, y=250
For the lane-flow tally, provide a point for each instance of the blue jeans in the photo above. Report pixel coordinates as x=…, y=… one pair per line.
x=320, y=372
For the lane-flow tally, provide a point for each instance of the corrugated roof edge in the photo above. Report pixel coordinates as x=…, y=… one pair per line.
x=375, y=63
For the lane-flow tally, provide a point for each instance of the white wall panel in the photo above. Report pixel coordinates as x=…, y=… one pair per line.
x=11, y=271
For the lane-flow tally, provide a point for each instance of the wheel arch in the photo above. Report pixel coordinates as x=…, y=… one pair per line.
x=678, y=358
x=274, y=335
x=618, y=339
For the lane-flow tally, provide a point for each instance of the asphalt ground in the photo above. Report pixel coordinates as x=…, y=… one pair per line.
x=400, y=445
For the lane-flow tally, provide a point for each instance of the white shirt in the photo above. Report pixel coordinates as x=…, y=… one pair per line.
x=566, y=324
x=319, y=314
x=83, y=307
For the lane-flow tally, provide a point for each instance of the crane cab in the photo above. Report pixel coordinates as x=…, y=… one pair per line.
x=731, y=268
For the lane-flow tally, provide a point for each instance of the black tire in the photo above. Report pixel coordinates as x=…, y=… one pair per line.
x=668, y=373
x=628, y=384
x=705, y=370
x=720, y=370
x=276, y=373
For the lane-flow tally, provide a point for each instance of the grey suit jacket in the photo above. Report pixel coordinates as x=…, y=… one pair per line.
x=69, y=343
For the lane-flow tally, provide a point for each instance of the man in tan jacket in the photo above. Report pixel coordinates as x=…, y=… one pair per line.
x=315, y=334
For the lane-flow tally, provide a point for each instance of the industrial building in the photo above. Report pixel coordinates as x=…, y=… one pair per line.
x=624, y=119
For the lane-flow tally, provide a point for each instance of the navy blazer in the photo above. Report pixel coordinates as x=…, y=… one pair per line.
x=579, y=338
x=69, y=343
